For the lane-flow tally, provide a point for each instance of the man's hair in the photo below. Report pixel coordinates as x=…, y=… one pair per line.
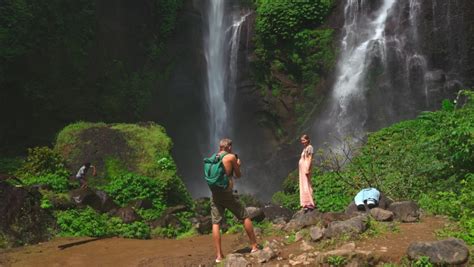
x=224, y=143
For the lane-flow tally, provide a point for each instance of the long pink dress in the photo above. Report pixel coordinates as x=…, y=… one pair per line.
x=306, y=191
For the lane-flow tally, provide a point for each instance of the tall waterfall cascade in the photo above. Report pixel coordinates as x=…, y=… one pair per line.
x=382, y=73
x=221, y=51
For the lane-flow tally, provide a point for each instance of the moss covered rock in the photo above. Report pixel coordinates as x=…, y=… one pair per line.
x=116, y=148
x=123, y=150
x=23, y=221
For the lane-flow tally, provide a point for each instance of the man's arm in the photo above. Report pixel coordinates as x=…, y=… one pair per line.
x=236, y=167
x=94, y=173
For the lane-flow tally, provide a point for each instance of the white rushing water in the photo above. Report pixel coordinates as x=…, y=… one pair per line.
x=215, y=58
x=361, y=36
x=221, y=51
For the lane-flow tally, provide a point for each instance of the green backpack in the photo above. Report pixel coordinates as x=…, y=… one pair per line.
x=214, y=171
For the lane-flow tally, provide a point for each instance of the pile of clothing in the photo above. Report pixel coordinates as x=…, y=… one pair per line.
x=367, y=196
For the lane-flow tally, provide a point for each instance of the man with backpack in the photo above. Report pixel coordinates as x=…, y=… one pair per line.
x=218, y=172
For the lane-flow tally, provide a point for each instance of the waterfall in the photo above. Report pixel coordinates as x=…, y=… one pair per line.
x=221, y=52
x=215, y=58
x=383, y=74
x=362, y=38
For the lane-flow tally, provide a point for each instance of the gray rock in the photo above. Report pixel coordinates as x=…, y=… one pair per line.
x=316, y=233
x=352, y=227
x=450, y=251
x=236, y=260
x=256, y=214
x=381, y=215
x=405, y=211
x=276, y=213
x=265, y=255
x=301, y=220
x=384, y=201
x=176, y=209
x=98, y=200
x=203, y=224
x=299, y=235
x=352, y=210
x=141, y=204
x=127, y=214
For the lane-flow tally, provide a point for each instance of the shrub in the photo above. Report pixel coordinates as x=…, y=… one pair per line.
x=128, y=187
x=85, y=222
x=10, y=165
x=279, y=20
x=88, y=222
x=138, y=230
x=57, y=182
x=169, y=231
x=329, y=193
x=42, y=161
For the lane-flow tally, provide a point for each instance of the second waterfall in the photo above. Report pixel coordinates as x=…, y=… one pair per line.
x=221, y=47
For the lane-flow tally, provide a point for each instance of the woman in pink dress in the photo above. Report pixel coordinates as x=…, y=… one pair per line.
x=305, y=166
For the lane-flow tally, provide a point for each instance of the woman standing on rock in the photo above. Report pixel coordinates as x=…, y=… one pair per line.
x=305, y=166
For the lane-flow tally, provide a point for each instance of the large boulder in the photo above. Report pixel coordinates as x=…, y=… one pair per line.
x=277, y=213
x=381, y=215
x=301, y=220
x=265, y=255
x=236, y=260
x=22, y=219
x=351, y=227
x=256, y=214
x=405, y=211
x=117, y=149
x=202, y=224
x=316, y=233
x=127, y=214
x=141, y=204
x=446, y=252
x=98, y=200
x=166, y=220
x=329, y=217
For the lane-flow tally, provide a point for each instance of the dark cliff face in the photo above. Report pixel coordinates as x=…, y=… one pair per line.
x=428, y=59
x=447, y=29
x=179, y=103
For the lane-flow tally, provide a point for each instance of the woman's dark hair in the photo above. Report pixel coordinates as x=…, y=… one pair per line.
x=305, y=137
x=87, y=164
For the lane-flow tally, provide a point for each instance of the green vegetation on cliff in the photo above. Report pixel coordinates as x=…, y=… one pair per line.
x=294, y=54
x=125, y=154
x=134, y=164
x=63, y=61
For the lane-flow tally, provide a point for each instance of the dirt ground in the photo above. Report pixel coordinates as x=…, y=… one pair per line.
x=193, y=251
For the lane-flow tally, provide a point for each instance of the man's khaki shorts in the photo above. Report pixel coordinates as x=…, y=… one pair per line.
x=222, y=200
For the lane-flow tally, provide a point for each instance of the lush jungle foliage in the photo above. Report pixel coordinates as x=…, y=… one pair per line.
x=63, y=61
x=429, y=159
x=150, y=174
x=294, y=52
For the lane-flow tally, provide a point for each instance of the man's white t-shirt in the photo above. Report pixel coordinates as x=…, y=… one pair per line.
x=82, y=172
